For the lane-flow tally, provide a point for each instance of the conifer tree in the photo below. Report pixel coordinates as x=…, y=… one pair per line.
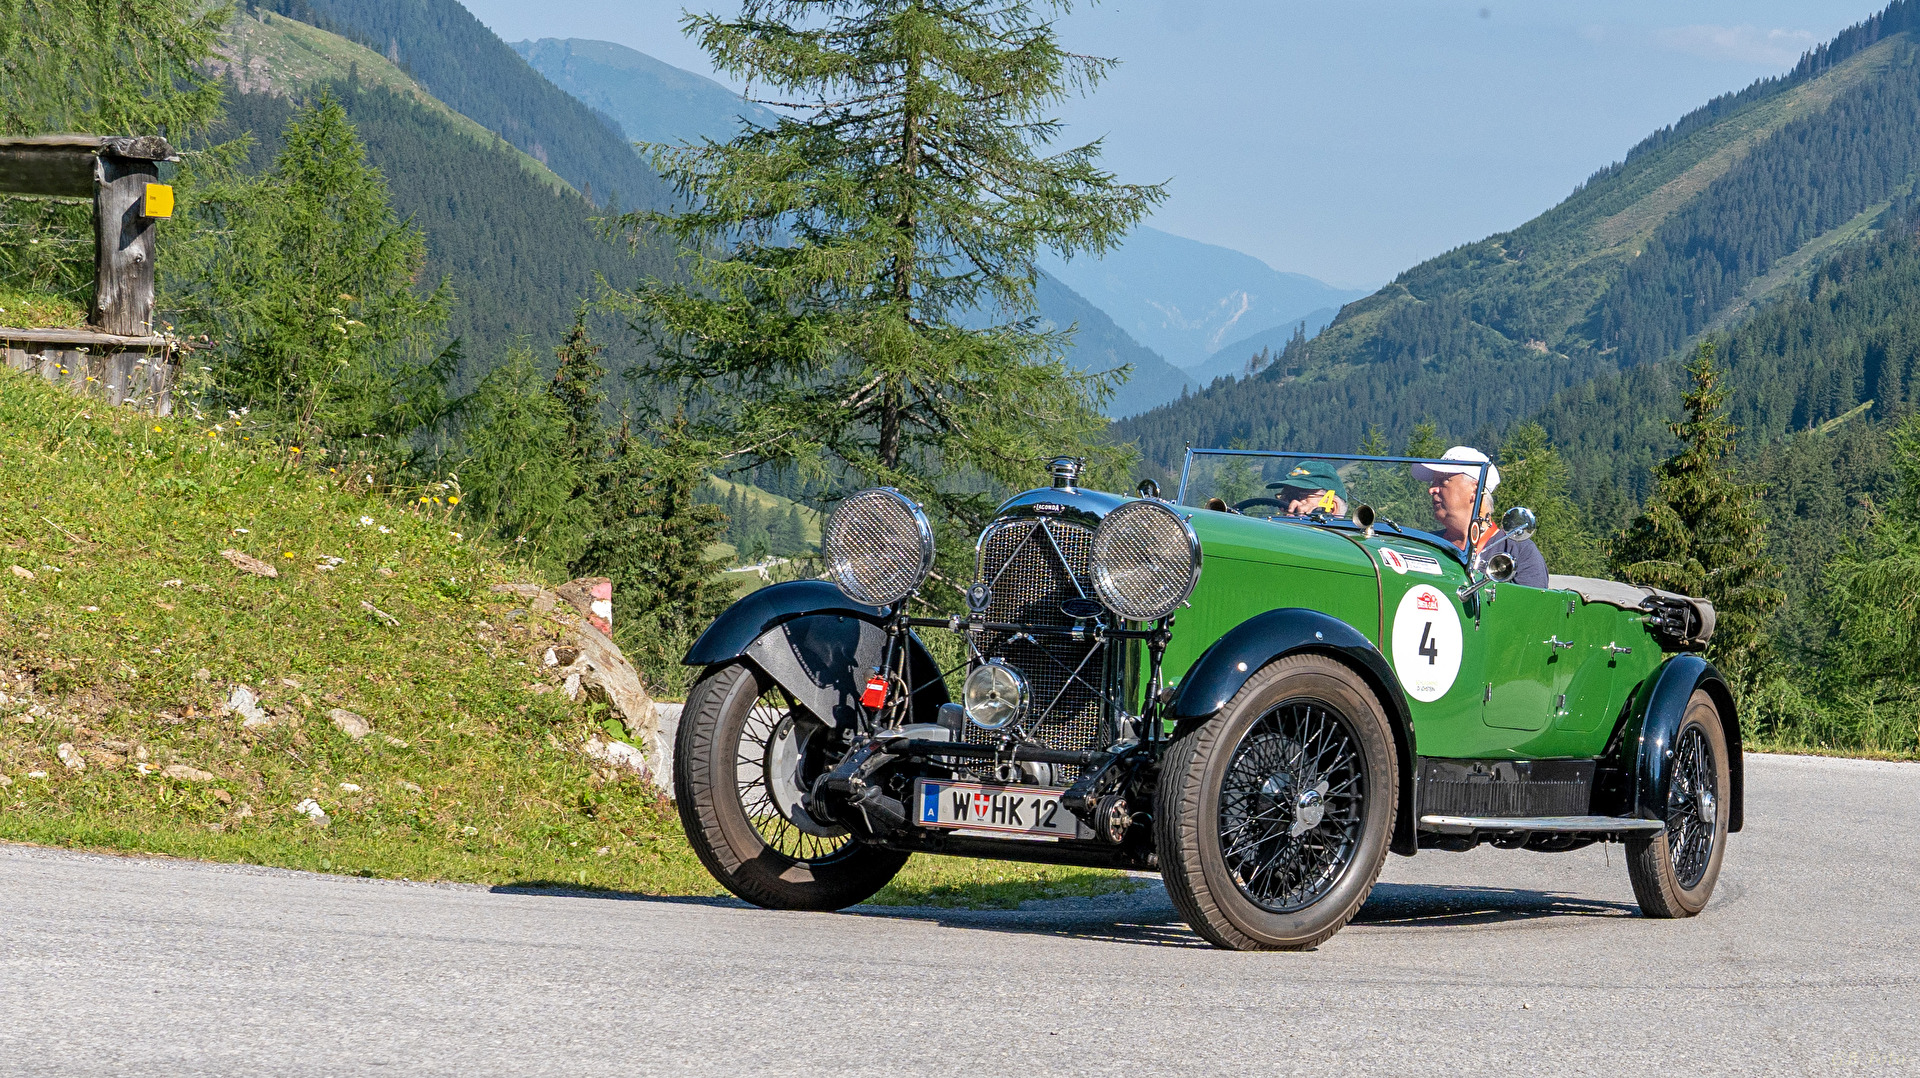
x=1532, y=474
x=517, y=469
x=1876, y=590
x=1701, y=532
x=305, y=279
x=576, y=387
x=840, y=256
x=652, y=543
x=110, y=67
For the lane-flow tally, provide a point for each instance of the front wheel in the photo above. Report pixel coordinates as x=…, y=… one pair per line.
x=1273, y=818
x=743, y=758
x=1673, y=872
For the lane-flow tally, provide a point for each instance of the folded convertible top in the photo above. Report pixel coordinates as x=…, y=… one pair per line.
x=1682, y=622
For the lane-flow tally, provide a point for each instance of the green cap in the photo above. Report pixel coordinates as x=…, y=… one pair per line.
x=1312, y=475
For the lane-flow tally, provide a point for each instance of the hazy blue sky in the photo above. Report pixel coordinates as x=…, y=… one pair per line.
x=1349, y=139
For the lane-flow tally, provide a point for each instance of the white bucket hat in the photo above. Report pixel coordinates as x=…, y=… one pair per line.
x=1427, y=473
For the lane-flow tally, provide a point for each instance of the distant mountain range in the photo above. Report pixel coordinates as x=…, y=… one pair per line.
x=651, y=100
x=1189, y=300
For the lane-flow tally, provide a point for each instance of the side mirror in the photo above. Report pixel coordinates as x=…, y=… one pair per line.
x=1498, y=570
x=1519, y=522
x=1149, y=489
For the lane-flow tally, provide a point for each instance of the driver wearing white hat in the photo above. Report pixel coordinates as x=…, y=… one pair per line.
x=1451, y=486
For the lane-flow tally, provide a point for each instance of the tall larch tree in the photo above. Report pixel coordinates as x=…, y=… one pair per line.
x=862, y=294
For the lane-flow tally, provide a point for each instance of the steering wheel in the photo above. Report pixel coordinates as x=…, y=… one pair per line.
x=1275, y=506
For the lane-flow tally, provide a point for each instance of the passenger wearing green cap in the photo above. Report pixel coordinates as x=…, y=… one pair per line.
x=1313, y=486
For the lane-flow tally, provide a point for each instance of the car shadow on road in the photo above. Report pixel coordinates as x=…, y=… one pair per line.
x=1427, y=905
x=567, y=889
x=1147, y=917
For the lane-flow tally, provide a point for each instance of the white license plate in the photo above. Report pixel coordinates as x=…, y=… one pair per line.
x=1002, y=810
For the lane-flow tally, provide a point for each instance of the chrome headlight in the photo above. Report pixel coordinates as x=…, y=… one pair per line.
x=995, y=695
x=879, y=546
x=1146, y=560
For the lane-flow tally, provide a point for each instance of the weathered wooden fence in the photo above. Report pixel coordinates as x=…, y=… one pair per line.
x=118, y=354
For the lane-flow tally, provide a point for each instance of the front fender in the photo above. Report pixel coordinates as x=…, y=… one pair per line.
x=1647, y=742
x=1225, y=667
x=819, y=646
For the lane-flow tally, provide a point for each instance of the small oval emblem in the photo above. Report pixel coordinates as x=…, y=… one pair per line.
x=1081, y=609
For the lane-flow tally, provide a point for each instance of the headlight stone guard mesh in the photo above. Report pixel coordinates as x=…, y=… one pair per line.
x=879, y=546
x=1145, y=560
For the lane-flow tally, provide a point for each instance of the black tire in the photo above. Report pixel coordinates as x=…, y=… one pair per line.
x=1227, y=892
x=732, y=820
x=1673, y=872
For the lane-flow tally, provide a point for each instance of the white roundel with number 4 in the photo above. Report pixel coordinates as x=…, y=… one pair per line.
x=1426, y=643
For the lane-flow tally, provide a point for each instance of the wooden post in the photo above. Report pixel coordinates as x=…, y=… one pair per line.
x=123, y=269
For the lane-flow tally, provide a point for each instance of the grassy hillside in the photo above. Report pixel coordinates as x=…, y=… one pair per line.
x=124, y=629
x=1698, y=224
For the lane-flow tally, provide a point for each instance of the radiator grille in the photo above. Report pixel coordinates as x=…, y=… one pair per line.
x=1033, y=566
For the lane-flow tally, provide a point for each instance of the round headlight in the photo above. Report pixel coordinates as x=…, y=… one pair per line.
x=995, y=695
x=1145, y=560
x=879, y=546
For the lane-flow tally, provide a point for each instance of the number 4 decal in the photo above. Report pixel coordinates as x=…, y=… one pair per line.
x=1429, y=646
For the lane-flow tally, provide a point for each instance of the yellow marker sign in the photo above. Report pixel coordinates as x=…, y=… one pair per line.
x=159, y=200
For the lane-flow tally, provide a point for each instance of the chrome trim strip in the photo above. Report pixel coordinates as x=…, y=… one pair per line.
x=1466, y=825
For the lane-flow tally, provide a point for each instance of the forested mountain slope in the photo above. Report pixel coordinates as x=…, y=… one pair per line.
x=1700, y=221
x=461, y=62
x=1818, y=377
x=520, y=247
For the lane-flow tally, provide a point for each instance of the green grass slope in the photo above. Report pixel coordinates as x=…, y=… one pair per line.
x=1700, y=223
x=124, y=629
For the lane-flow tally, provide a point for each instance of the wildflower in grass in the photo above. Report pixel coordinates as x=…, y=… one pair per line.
x=384, y=530
x=156, y=430
x=288, y=554
x=453, y=499
x=364, y=521
x=294, y=449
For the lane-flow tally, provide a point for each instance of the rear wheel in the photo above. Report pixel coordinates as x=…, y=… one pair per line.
x=744, y=756
x=1673, y=872
x=1273, y=818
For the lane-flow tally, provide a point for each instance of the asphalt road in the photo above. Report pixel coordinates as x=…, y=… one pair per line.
x=1807, y=962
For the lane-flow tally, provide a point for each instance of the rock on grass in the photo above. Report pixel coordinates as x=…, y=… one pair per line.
x=350, y=724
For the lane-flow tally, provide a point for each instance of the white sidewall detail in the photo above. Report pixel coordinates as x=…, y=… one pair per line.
x=1426, y=643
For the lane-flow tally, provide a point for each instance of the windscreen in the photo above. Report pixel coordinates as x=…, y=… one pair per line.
x=1328, y=486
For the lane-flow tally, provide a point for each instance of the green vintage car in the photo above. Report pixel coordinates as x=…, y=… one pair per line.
x=1257, y=705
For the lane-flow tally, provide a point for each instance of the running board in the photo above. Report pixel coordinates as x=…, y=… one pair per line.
x=1466, y=825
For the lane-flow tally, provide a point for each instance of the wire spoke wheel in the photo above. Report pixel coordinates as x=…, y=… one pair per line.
x=1290, y=805
x=1673, y=872
x=1272, y=817
x=781, y=751
x=1690, y=808
x=745, y=756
